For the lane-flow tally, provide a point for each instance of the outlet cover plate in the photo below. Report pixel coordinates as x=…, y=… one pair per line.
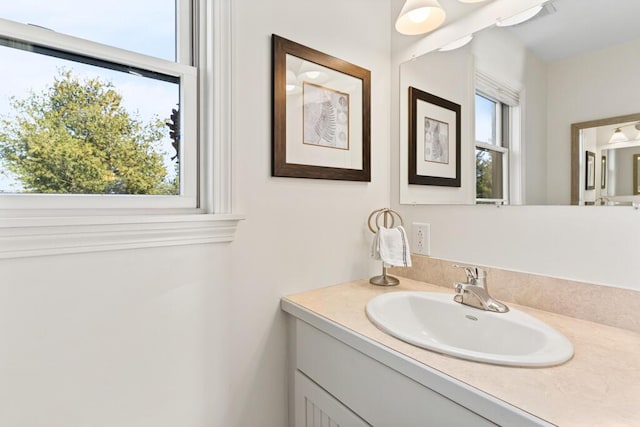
x=421, y=238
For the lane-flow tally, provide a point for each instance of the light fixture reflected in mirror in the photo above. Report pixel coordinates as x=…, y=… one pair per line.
x=312, y=73
x=419, y=17
x=456, y=44
x=292, y=85
x=618, y=136
x=519, y=18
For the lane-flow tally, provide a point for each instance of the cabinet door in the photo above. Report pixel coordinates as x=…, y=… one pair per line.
x=314, y=407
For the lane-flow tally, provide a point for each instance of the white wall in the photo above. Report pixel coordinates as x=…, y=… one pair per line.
x=299, y=233
x=193, y=336
x=591, y=244
x=129, y=338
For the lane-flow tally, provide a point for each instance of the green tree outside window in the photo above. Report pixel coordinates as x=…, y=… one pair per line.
x=76, y=137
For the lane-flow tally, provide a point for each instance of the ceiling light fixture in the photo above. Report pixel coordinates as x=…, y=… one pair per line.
x=419, y=17
x=456, y=44
x=520, y=17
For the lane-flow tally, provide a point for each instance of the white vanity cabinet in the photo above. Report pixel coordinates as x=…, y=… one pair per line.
x=352, y=373
x=342, y=378
x=336, y=385
x=314, y=407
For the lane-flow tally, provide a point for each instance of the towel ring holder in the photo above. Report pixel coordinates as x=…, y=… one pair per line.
x=388, y=217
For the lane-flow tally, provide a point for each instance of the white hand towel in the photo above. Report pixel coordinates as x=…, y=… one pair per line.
x=392, y=247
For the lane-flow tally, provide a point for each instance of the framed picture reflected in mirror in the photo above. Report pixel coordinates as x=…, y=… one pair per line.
x=603, y=172
x=590, y=176
x=636, y=175
x=434, y=140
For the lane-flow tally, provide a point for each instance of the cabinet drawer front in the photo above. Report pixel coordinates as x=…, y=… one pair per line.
x=378, y=394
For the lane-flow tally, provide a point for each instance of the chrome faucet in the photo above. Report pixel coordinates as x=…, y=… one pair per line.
x=474, y=293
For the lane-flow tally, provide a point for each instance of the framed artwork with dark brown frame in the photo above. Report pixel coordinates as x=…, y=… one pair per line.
x=321, y=115
x=590, y=171
x=434, y=140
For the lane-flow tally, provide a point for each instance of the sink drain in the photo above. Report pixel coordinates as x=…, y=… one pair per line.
x=470, y=317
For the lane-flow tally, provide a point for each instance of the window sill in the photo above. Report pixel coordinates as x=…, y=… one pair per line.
x=28, y=237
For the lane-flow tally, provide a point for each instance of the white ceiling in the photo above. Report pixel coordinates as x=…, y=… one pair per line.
x=579, y=26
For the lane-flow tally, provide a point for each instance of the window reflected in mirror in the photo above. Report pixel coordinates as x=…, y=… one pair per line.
x=486, y=119
x=492, y=124
x=489, y=176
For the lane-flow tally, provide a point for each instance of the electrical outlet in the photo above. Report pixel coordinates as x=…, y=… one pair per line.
x=422, y=238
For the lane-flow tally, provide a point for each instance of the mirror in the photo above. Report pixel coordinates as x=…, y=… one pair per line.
x=522, y=90
x=611, y=147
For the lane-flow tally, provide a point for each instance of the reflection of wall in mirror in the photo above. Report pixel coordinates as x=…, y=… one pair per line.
x=620, y=169
x=582, y=88
x=509, y=62
x=451, y=75
x=624, y=167
x=577, y=89
x=446, y=76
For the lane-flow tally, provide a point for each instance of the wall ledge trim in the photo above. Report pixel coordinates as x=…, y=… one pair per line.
x=29, y=237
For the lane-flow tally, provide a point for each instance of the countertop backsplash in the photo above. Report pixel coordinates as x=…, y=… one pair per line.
x=597, y=303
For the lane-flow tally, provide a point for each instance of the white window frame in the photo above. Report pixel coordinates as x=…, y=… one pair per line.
x=54, y=228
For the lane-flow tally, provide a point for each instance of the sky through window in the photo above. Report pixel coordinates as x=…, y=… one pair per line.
x=143, y=26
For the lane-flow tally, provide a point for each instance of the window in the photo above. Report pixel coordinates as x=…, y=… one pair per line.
x=492, y=150
x=98, y=111
x=156, y=62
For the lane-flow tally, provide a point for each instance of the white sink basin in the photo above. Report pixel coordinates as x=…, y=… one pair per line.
x=435, y=322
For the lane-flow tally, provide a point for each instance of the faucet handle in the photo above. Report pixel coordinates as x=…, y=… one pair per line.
x=473, y=272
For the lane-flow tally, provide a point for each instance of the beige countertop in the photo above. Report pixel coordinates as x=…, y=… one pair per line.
x=600, y=386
